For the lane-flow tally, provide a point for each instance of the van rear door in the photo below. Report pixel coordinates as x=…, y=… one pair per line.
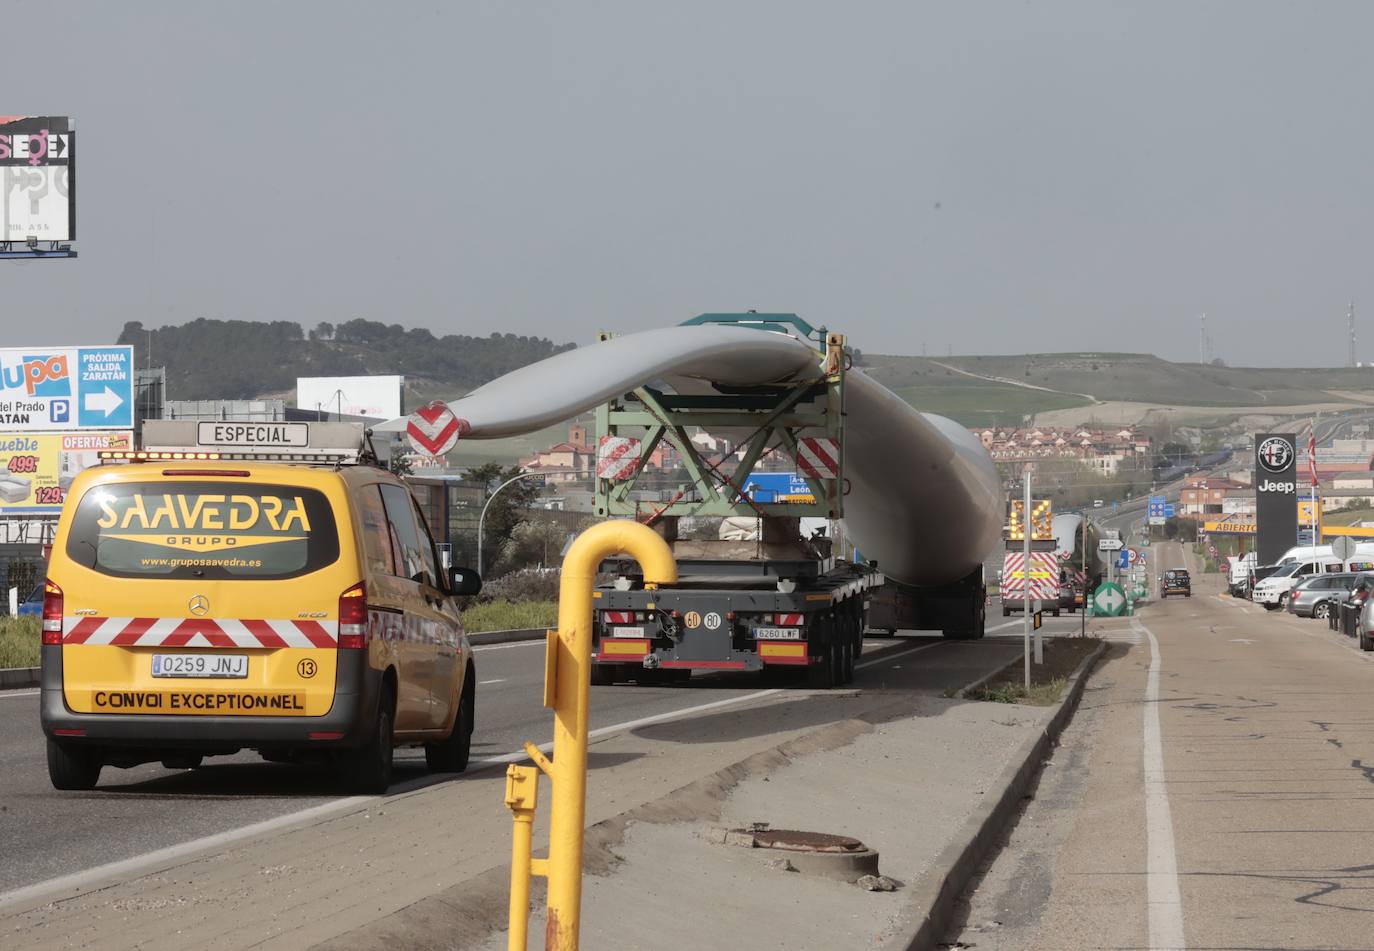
x=214, y=594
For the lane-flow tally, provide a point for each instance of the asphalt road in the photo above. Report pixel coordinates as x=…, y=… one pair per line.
x=1213, y=791
x=133, y=812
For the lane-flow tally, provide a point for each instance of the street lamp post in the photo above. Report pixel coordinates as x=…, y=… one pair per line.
x=481, y=519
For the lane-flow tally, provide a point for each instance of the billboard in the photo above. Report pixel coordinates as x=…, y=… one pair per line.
x=1276, y=495
x=47, y=388
x=37, y=178
x=376, y=397
x=36, y=469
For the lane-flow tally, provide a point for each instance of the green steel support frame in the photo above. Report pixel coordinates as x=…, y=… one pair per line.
x=774, y=417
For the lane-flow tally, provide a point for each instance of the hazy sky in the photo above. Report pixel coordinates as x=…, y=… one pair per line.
x=986, y=177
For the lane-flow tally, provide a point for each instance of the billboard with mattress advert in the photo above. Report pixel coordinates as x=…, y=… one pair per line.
x=57, y=388
x=37, y=468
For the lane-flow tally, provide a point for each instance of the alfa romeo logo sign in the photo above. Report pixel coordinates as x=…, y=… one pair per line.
x=1276, y=454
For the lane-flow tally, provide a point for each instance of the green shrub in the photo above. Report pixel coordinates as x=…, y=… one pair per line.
x=510, y=616
x=19, y=642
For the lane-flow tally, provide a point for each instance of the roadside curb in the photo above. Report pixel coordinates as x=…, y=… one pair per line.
x=18, y=677
x=935, y=894
x=507, y=637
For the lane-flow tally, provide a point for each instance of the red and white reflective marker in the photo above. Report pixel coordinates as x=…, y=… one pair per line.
x=617, y=458
x=434, y=430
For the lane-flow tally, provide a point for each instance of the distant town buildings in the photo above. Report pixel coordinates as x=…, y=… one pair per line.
x=1107, y=450
x=1214, y=497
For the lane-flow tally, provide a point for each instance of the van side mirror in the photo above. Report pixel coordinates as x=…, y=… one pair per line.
x=464, y=581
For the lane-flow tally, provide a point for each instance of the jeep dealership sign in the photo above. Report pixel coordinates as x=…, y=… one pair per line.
x=1276, y=495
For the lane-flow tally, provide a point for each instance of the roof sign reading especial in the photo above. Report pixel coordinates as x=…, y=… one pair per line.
x=265, y=435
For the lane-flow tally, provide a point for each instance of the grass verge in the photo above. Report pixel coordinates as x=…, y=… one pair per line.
x=1062, y=657
x=510, y=615
x=19, y=642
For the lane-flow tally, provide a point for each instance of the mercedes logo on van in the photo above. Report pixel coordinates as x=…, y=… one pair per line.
x=1276, y=454
x=199, y=605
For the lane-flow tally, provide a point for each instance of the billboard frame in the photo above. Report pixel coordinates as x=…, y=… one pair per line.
x=32, y=247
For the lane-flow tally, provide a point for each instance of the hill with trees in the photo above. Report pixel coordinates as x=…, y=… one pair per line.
x=242, y=359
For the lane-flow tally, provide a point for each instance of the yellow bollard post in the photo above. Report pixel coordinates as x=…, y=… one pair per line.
x=570, y=658
x=522, y=797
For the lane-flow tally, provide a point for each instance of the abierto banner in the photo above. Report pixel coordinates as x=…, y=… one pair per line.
x=37, y=469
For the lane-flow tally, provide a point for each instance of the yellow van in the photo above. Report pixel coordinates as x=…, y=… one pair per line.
x=196, y=608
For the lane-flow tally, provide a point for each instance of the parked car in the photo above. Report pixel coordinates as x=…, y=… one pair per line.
x=1175, y=581
x=1257, y=574
x=1364, y=627
x=1274, y=590
x=1318, y=595
x=1355, y=604
x=32, y=605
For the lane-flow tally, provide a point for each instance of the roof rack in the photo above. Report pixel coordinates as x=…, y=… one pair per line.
x=158, y=455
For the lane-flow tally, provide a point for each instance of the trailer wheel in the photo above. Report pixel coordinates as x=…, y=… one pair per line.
x=820, y=673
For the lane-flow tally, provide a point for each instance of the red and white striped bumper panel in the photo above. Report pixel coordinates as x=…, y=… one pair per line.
x=198, y=632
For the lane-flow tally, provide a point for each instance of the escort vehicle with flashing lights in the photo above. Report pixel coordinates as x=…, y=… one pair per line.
x=197, y=604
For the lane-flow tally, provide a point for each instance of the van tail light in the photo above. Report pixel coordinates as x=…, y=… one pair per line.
x=353, y=618
x=52, y=613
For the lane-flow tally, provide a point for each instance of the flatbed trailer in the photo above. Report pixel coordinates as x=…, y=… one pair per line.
x=775, y=602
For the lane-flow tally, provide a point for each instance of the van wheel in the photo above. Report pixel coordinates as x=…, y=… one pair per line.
x=451, y=755
x=73, y=768
x=368, y=768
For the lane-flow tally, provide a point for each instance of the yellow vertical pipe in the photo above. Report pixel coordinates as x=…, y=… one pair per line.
x=522, y=786
x=572, y=692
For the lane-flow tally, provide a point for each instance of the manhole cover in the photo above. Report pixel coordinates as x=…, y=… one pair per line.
x=795, y=841
x=816, y=853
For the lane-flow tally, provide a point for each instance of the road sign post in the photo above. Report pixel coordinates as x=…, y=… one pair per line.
x=1025, y=581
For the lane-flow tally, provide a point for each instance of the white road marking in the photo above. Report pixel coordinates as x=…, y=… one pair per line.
x=900, y=652
x=494, y=680
x=4, y=695
x=500, y=647
x=1164, y=903
x=79, y=882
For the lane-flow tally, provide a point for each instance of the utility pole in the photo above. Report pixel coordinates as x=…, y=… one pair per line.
x=1083, y=612
x=1350, y=329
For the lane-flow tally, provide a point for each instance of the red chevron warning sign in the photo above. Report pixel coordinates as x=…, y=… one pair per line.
x=434, y=430
x=818, y=457
x=617, y=458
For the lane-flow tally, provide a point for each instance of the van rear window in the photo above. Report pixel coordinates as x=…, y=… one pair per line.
x=215, y=530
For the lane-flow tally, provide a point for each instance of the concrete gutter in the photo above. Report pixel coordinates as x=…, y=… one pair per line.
x=507, y=637
x=934, y=895
x=11, y=677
